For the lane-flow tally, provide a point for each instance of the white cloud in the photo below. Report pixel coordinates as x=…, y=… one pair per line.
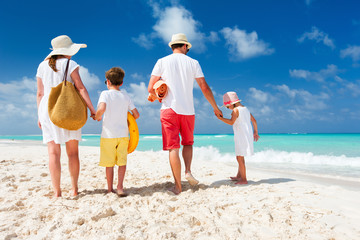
x=260, y=96
x=90, y=80
x=318, y=36
x=137, y=76
x=351, y=51
x=18, y=101
x=144, y=41
x=320, y=76
x=138, y=93
x=302, y=99
x=244, y=45
x=175, y=19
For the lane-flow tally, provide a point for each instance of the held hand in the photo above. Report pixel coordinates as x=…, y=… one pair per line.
x=218, y=113
x=39, y=124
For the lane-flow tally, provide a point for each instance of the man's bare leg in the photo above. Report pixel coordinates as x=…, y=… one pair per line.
x=175, y=164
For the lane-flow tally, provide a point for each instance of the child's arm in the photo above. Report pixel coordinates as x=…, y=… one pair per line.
x=100, y=111
x=254, y=123
x=234, y=116
x=135, y=113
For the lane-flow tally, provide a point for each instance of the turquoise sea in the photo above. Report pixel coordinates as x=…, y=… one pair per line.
x=336, y=155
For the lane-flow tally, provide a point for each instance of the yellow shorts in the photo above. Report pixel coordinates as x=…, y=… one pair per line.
x=113, y=151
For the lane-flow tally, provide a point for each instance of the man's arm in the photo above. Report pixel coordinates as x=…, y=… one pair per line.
x=208, y=95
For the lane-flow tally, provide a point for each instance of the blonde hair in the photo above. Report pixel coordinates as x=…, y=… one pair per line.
x=52, y=61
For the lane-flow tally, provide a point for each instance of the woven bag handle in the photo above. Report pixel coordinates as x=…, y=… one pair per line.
x=66, y=71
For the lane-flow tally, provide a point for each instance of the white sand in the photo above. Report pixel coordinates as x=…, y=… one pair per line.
x=269, y=207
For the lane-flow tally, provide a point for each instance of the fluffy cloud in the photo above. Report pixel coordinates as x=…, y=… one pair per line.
x=351, y=51
x=244, y=45
x=318, y=36
x=138, y=93
x=175, y=19
x=18, y=103
x=302, y=99
x=320, y=76
x=90, y=80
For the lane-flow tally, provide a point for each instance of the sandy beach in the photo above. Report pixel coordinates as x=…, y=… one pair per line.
x=271, y=206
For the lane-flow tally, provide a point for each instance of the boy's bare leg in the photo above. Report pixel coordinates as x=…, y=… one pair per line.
x=109, y=178
x=121, y=176
x=242, y=170
x=72, y=150
x=175, y=164
x=54, y=151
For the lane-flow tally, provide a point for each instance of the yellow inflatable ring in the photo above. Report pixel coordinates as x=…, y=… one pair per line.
x=134, y=133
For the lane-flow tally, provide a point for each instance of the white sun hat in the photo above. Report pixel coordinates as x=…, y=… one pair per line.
x=62, y=45
x=179, y=38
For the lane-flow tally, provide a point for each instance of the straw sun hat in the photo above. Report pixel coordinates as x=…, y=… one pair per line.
x=179, y=38
x=62, y=45
x=230, y=98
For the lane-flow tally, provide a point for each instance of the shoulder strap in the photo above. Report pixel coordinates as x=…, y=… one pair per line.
x=66, y=71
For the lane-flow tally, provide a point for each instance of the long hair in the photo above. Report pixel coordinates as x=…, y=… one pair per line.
x=52, y=61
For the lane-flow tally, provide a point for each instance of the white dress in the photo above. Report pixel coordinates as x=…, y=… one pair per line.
x=52, y=79
x=243, y=133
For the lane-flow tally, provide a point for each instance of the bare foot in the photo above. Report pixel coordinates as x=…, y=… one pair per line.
x=111, y=191
x=242, y=182
x=189, y=177
x=235, y=178
x=121, y=193
x=57, y=194
x=174, y=190
x=74, y=192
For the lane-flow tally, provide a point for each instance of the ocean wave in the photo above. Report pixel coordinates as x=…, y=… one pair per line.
x=152, y=137
x=211, y=153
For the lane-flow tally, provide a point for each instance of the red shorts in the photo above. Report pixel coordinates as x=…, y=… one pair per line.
x=173, y=124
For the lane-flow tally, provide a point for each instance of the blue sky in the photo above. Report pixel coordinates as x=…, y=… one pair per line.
x=294, y=63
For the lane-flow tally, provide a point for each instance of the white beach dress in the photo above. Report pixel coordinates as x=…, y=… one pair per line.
x=243, y=133
x=52, y=79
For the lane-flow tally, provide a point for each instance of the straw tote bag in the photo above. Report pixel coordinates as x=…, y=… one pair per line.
x=67, y=109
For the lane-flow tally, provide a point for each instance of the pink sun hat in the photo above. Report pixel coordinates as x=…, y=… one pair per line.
x=230, y=98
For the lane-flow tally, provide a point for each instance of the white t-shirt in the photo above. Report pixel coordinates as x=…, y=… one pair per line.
x=179, y=72
x=118, y=103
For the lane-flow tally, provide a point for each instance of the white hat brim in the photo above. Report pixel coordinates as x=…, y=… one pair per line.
x=180, y=42
x=70, y=51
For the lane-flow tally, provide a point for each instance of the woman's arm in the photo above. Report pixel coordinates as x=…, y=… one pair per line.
x=82, y=90
x=39, y=94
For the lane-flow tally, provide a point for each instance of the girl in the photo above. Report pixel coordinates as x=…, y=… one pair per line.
x=243, y=132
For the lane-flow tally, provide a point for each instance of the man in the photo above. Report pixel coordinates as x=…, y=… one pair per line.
x=177, y=112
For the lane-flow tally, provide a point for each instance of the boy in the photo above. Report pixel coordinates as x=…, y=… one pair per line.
x=114, y=105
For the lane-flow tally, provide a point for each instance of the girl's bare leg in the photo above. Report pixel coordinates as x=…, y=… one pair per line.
x=242, y=170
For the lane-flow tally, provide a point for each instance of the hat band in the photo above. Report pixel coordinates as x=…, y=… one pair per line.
x=229, y=102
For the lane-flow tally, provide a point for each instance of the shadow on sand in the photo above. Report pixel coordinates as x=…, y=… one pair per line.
x=165, y=186
x=229, y=182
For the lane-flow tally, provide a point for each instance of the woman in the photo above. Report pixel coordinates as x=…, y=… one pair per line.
x=50, y=73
